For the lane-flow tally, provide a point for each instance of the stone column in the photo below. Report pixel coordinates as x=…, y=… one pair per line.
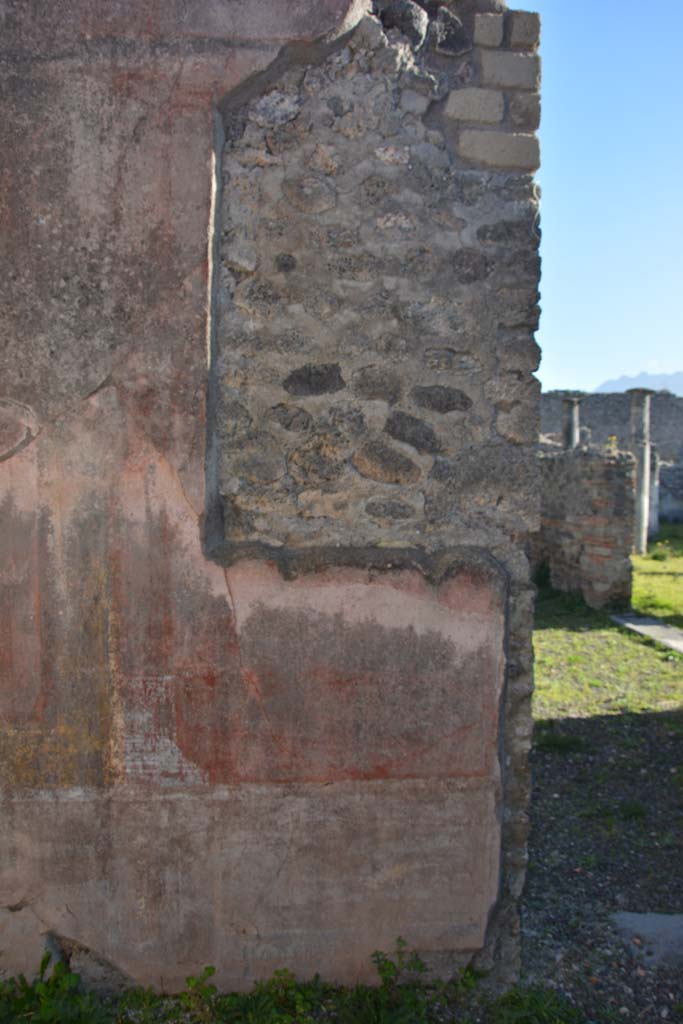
x=653, y=525
x=571, y=426
x=640, y=446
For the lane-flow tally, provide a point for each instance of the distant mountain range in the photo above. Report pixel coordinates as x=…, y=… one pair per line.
x=672, y=382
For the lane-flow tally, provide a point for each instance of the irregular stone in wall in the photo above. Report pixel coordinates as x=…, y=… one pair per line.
x=382, y=463
x=510, y=233
x=292, y=417
x=413, y=431
x=319, y=460
x=314, y=380
x=469, y=266
x=449, y=34
x=389, y=508
x=441, y=399
x=408, y=17
x=309, y=194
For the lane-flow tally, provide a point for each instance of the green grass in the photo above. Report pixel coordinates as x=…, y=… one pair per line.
x=534, y=1006
x=658, y=577
x=586, y=665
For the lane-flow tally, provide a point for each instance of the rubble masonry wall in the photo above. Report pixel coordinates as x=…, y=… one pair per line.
x=587, y=523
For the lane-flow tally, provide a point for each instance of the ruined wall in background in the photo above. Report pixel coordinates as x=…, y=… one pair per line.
x=671, y=493
x=266, y=648
x=588, y=523
x=607, y=415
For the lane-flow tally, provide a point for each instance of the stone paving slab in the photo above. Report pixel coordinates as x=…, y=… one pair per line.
x=653, y=628
x=658, y=936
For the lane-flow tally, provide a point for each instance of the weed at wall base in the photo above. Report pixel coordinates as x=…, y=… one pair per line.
x=404, y=995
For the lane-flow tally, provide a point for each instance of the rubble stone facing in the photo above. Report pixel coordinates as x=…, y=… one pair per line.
x=375, y=269
x=383, y=359
x=588, y=524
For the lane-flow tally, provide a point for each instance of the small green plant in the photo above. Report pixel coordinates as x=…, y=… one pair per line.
x=404, y=996
x=140, y=1005
x=632, y=810
x=391, y=971
x=401, y=998
x=197, y=1003
x=534, y=1006
x=54, y=998
x=280, y=1000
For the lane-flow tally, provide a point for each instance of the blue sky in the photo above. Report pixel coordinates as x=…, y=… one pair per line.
x=612, y=181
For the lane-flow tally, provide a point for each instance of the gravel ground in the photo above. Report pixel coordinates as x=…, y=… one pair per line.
x=607, y=835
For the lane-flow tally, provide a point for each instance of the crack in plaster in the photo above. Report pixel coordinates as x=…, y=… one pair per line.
x=24, y=416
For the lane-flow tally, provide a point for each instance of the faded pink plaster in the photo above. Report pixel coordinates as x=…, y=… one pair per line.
x=255, y=878
x=396, y=599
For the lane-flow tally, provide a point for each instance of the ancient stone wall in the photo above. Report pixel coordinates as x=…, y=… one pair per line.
x=375, y=304
x=267, y=484
x=607, y=415
x=671, y=493
x=587, y=523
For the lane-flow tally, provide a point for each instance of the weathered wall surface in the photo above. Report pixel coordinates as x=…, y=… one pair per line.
x=587, y=523
x=265, y=662
x=607, y=415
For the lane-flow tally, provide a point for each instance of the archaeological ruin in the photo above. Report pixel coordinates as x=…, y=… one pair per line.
x=612, y=422
x=612, y=471
x=268, y=475
x=588, y=523
x=607, y=415
x=606, y=419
